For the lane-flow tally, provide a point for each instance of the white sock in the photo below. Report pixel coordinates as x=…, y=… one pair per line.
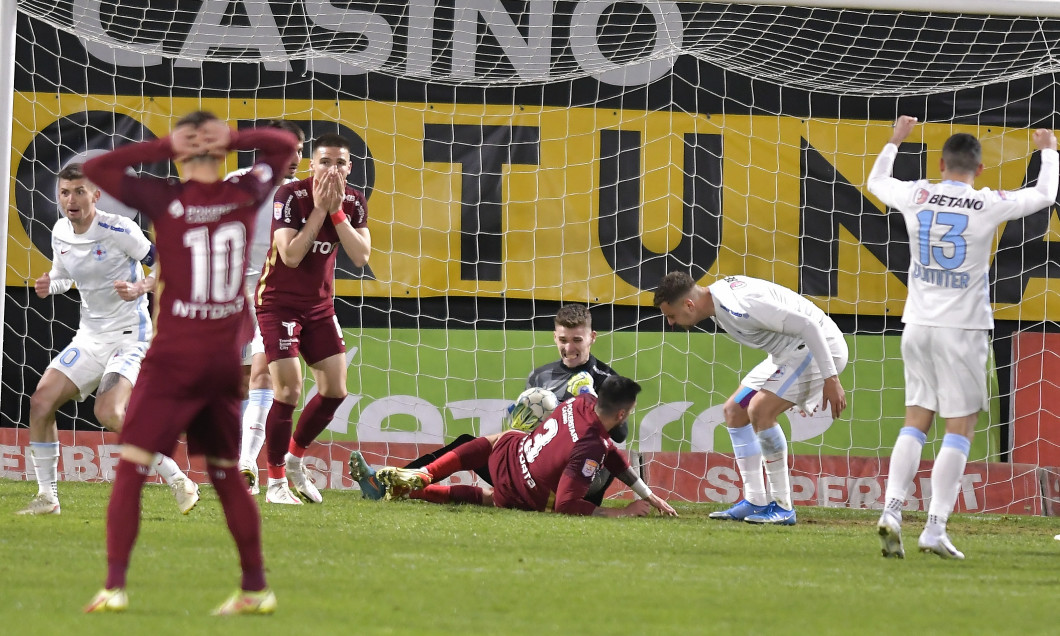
x=45, y=457
x=905, y=459
x=166, y=468
x=254, y=425
x=749, y=461
x=946, y=479
x=775, y=454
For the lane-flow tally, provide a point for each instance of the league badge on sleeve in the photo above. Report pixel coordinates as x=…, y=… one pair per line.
x=277, y=210
x=590, y=467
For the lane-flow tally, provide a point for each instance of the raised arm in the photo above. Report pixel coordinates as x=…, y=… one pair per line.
x=880, y=182
x=275, y=148
x=108, y=170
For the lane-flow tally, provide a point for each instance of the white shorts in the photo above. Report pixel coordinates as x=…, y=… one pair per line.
x=796, y=376
x=945, y=369
x=256, y=344
x=86, y=360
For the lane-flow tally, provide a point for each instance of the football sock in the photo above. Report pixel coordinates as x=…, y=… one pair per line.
x=46, y=465
x=469, y=456
x=244, y=522
x=946, y=479
x=905, y=459
x=437, y=493
x=775, y=453
x=278, y=433
x=123, y=519
x=749, y=460
x=294, y=451
x=166, y=468
x=315, y=418
x=427, y=458
x=254, y=425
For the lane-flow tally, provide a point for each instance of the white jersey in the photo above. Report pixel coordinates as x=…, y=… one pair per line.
x=262, y=239
x=110, y=250
x=773, y=318
x=951, y=232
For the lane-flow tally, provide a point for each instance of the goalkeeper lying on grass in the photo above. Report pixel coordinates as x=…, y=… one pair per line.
x=576, y=371
x=550, y=467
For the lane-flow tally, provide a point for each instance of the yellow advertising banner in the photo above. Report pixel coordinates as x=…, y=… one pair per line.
x=537, y=182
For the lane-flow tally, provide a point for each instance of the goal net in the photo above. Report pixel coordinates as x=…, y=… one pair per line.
x=522, y=155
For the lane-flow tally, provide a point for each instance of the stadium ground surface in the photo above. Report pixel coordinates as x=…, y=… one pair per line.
x=352, y=567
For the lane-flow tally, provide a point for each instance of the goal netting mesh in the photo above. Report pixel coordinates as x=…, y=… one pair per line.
x=519, y=155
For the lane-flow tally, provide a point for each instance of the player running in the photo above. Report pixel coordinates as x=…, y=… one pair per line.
x=101, y=253
x=192, y=375
x=947, y=315
x=806, y=354
x=553, y=463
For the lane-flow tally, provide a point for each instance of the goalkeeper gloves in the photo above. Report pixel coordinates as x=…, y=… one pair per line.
x=581, y=383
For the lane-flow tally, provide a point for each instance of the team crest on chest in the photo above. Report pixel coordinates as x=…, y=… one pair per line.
x=99, y=252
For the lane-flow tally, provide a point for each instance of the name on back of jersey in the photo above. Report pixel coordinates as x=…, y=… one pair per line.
x=924, y=197
x=941, y=277
x=208, y=311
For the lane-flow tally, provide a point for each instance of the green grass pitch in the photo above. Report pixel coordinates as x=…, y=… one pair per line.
x=351, y=567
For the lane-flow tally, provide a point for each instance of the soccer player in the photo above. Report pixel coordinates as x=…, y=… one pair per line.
x=257, y=382
x=806, y=354
x=101, y=253
x=296, y=308
x=947, y=315
x=576, y=369
x=191, y=377
x=554, y=462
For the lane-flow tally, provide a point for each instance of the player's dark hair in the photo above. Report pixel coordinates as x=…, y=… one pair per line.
x=616, y=393
x=574, y=315
x=289, y=126
x=331, y=140
x=72, y=172
x=673, y=287
x=195, y=118
x=962, y=153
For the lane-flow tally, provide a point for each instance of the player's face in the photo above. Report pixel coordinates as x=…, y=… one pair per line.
x=294, y=162
x=574, y=344
x=77, y=200
x=681, y=314
x=326, y=159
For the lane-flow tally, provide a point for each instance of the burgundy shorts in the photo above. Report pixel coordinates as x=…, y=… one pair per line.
x=313, y=333
x=198, y=395
x=508, y=474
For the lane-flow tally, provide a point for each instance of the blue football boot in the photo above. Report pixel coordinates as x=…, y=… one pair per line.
x=739, y=511
x=773, y=515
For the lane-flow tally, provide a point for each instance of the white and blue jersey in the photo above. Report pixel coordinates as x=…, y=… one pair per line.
x=951, y=236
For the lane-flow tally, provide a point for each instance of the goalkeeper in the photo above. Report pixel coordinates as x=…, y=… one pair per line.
x=577, y=371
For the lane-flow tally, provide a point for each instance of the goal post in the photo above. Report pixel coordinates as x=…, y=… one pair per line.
x=519, y=156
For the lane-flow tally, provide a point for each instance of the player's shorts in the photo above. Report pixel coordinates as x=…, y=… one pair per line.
x=507, y=474
x=796, y=377
x=945, y=369
x=254, y=347
x=312, y=333
x=86, y=360
x=197, y=394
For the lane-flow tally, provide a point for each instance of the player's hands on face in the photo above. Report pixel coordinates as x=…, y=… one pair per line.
x=902, y=127
x=184, y=141
x=43, y=285
x=214, y=137
x=834, y=396
x=128, y=291
x=328, y=190
x=1044, y=139
x=659, y=504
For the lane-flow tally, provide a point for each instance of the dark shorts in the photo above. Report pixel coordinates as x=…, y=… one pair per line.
x=313, y=333
x=177, y=393
x=508, y=482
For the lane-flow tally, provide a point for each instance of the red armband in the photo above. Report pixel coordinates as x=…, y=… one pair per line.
x=338, y=218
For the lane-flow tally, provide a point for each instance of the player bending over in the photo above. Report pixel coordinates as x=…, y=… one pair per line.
x=191, y=381
x=554, y=462
x=806, y=353
x=947, y=315
x=101, y=253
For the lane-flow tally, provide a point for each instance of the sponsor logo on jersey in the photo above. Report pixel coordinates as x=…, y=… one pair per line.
x=921, y=196
x=209, y=213
x=967, y=203
x=99, y=252
x=176, y=209
x=590, y=467
x=323, y=247
x=113, y=228
x=734, y=283
x=301, y=194
x=289, y=326
x=734, y=313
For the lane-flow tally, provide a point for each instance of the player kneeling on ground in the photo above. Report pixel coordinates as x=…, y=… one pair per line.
x=558, y=458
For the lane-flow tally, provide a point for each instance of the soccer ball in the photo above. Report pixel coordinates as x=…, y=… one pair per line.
x=532, y=405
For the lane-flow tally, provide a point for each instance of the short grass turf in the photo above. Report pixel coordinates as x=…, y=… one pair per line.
x=352, y=567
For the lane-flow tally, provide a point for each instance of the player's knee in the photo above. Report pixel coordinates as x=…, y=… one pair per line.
x=288, y=394
x=735, y=415
x=110, y=416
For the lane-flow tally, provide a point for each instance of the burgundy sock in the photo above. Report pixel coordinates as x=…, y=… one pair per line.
x=244, y=522
x=440, y=494
x=434, y=493
x=278, y=432
x=474, y=454
x=123, y=519
x=466, y=494
x=315, y=418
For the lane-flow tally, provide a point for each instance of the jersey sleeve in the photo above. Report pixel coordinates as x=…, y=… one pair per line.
x=288, y=209
x=356, y=207
x=891, y=191
x=1019, y=203
x=149, y=195
x=132, y=241
x=577, y=477
x=61, y=281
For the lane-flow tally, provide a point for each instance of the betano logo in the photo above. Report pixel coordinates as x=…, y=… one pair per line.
x=558, y=203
